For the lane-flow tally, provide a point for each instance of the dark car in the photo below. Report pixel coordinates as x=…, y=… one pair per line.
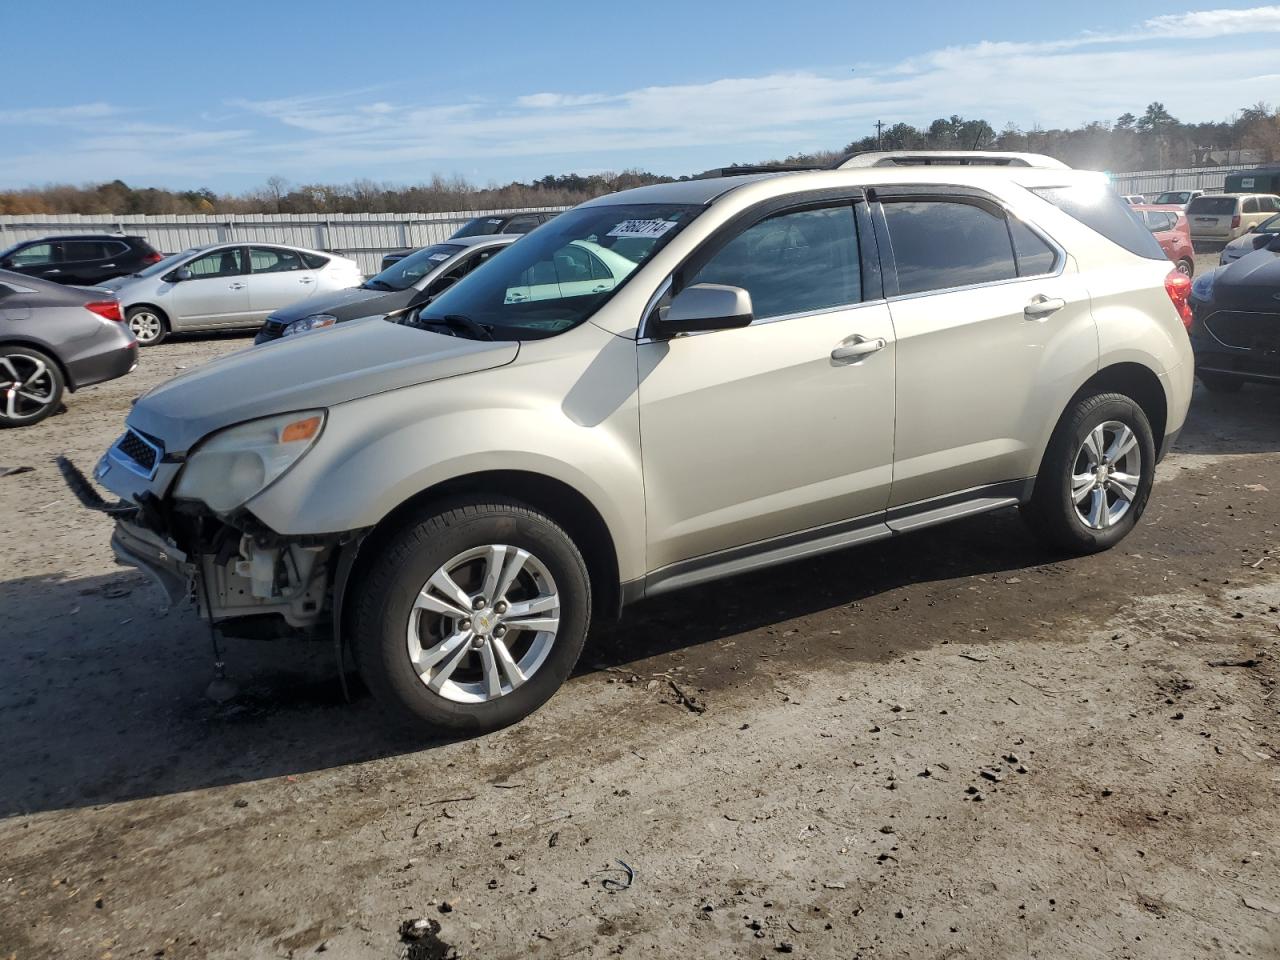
x=406, y=283
x=82, y=260
x=509, y=223
x=55, y=339
x=1235, y=331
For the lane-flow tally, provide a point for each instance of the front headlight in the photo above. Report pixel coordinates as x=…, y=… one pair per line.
x=240, y=462
x=317, y=321
x=1202, y=286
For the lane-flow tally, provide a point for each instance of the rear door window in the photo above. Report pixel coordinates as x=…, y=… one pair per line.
x=521, y=224
x=797, y=262
x=274, y=260
x=1102, y=211
x=77, y=250
x=1251, y=205
x=945, y=243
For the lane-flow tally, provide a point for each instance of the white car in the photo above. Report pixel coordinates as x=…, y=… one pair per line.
x=1134, y=199
x=226, y=286
x=578, y=269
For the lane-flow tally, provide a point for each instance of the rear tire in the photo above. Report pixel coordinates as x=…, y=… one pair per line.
x=149, y=325
x=1221, y=382
x=440, y=666
x=1079, y=506
x=1186, y=266
x=31, y=386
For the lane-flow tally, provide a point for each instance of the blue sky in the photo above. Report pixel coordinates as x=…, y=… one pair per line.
x=227, y=94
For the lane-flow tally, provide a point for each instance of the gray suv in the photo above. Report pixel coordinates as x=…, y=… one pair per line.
x=658, y=389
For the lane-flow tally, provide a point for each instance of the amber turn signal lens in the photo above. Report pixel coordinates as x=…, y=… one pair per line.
x=300, y=430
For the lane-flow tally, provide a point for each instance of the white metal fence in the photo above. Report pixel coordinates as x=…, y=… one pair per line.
x=364, y=237
x=1208, y=179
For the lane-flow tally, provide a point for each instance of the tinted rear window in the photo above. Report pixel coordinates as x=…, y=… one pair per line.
x=480, y=227
x=1102, y=211
x=1216, y=206
x=939, y=244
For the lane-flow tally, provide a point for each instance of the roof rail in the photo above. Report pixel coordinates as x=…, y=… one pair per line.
x=746, y=169
x=969, y=158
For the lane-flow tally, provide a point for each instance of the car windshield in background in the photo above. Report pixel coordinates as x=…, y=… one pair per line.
x=1270, y=226
x=1216, y=206
x=480, y=227
x=9, y=249
x=556, y=277
x=168, y=263
x=1177, y=197
x=404, y=273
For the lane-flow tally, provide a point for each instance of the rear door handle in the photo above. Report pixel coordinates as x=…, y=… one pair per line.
x=237, y=286
x=54, y=270
x=306, y=279
x=857, y=347
x=1042, y=306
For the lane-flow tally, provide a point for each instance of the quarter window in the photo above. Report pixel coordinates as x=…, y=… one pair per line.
x=219, y=263
x=1035, y=256
x=1251, y=205
x=938, y=244
x=274, y=260
x=792, y=263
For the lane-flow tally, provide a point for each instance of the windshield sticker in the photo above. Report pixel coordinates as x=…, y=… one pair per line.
x=649, y=229
x=439, y=256
x=495, y=220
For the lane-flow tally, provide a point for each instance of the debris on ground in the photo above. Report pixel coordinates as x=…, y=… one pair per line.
x=688, y=700
x=13, y=471
x=1251, y=662
x=612, y=884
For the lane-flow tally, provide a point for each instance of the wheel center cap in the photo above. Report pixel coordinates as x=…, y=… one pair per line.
x=483, y=621
x=1103, y=472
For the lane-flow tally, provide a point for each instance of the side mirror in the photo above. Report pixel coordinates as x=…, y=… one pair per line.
x=1274, y=244
x=705, y=306
x=1261, y=240
x=182, y=273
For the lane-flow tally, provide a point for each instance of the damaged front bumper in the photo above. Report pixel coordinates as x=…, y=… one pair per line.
x=244, y=577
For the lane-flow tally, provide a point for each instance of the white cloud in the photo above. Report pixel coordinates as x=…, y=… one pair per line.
x=1200, y=24
x=675, y=127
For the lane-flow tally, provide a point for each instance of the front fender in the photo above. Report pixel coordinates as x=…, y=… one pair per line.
x=378, y=452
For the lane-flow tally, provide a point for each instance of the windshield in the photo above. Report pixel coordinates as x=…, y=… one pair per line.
x=480, y=227
x=1178, y=197
x=9, y=249
x=168, y=263
x=1270, y=225
x=404, y=273
x=556, y=277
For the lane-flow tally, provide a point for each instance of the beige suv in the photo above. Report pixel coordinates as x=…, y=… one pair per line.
x=788, y=364
x=1222, y=217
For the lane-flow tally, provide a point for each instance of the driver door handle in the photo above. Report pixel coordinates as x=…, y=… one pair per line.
x=306, y=279
x=856, y=347
x=237, y=286
x=1042, y=306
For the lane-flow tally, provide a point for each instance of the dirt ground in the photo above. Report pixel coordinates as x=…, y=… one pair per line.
x=951, y=744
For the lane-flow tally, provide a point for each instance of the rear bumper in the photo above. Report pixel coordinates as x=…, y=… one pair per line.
x=106, y=362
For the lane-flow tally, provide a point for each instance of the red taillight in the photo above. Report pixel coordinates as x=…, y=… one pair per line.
x=1235, y=222
x=107, y=309
x=1178, y=286
x=153, y=257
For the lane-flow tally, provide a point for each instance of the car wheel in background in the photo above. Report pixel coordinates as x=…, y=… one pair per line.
x=1185, y=266
x=1221, y=382
x=472, y=616
x=149, y=325
x=31, y=386
x=1096, y=475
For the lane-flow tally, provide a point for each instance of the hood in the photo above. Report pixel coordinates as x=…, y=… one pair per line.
x=346, y=304
x=1244, y=245
x=1249, y=283
x=311, y=370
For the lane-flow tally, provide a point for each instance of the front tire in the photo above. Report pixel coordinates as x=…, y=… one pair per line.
x=31, y=386
x=1186, y=266
x=149, y=325
x=472, y=617
x=1096, y=475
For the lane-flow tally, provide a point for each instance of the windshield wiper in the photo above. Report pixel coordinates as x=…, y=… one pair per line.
x=381, y=284
x=458, y=322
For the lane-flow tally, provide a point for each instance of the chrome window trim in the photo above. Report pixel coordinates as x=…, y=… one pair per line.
x=1060, y=261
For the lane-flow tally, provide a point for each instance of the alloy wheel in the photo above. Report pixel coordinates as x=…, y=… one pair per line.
x=146, y=326
x=27, y=386
x=1106, y=475
x=483, y=624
